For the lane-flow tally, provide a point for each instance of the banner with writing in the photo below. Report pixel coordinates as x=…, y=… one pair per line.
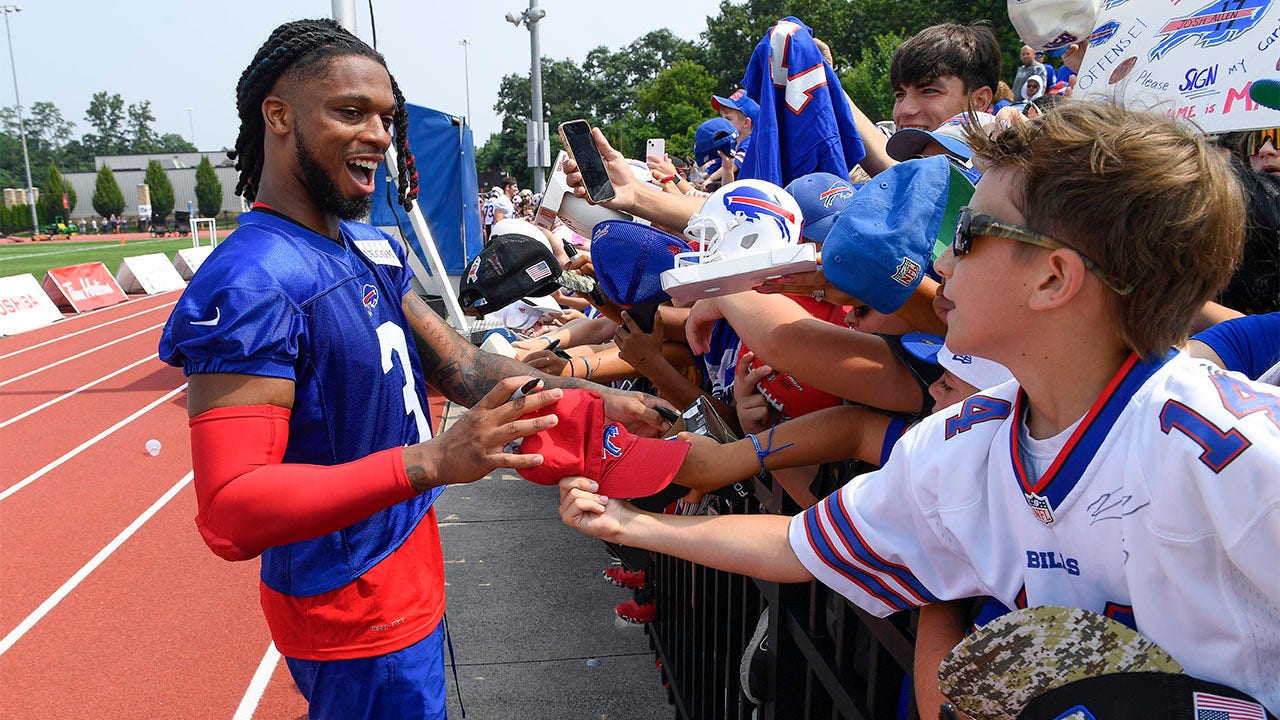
x=1191, y=58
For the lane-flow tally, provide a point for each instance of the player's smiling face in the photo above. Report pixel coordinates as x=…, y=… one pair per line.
x=342, y=128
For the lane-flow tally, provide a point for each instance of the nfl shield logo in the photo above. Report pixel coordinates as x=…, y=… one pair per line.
x=1039, y=506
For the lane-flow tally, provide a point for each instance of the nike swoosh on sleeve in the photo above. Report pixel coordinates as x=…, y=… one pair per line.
x=217, y=314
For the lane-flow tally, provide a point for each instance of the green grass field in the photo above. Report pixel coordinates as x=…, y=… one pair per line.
x=36, y=258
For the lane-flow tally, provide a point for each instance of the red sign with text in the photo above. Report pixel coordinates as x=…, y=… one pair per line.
x=83, y=287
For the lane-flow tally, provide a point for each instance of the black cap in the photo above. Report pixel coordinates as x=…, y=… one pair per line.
x=1143, y=696
x=510, y=267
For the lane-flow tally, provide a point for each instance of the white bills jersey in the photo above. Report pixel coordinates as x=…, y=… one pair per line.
x=1162, y=511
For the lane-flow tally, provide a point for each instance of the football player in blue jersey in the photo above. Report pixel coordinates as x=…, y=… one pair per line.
x=308, y=355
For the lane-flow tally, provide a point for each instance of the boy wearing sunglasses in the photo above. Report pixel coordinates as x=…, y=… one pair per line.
x=1113, y=474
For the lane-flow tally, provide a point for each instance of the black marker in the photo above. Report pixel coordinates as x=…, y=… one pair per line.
x=525, y=389
x=667, y=414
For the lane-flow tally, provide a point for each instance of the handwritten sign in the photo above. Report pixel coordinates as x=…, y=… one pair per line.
x=1191, y=58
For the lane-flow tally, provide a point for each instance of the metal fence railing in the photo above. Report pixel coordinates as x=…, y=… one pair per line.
x=826, y=658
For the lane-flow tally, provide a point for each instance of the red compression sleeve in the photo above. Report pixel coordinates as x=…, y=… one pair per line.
x=248, y=500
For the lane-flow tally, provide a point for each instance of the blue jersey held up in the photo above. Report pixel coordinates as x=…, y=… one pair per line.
x=805, y=124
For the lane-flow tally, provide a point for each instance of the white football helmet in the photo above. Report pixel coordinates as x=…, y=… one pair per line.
x=742, y=218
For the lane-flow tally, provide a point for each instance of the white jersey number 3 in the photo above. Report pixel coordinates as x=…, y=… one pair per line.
x=391, y=342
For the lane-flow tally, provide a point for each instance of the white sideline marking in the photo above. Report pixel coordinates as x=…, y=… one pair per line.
x=79, y=355
x=16, y=634
x=88, y=246
x=257, y=686
x=89, y=329
x=69, y=393
x=80, y=448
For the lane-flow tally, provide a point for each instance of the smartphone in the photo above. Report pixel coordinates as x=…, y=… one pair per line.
x=655, y=148
x=643, y=316
x=576, y=136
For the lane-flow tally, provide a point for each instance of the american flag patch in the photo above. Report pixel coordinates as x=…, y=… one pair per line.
x=1217, y=707
x=539, y=272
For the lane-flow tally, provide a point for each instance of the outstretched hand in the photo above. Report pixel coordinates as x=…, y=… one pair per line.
x=755, y=414
x=637, y=347
x=474, y=446
x=596, y=515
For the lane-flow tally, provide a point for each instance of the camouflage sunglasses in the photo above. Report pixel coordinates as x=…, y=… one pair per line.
x=973, y=224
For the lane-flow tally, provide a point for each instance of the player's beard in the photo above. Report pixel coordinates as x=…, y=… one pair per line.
x=320, y=185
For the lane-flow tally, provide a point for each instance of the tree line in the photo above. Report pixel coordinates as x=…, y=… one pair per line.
x=114, y=129
x=660, y=85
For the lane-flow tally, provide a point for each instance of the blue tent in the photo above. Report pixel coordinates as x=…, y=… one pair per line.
x=447, y=190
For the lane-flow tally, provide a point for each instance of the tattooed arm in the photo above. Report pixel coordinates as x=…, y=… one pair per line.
x=464, y=373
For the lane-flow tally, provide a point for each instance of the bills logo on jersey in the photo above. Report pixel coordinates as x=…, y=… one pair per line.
x=757, y=205
x=1218, y=22
x=370, y=298
x=838, y=190
x=1039, y=507
x=610, y=432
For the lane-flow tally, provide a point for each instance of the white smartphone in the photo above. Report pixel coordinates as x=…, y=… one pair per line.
x=655, y=148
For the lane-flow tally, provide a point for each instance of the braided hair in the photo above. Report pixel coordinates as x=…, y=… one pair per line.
x=306, y=45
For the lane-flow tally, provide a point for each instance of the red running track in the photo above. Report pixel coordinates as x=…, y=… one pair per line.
x=110, y=604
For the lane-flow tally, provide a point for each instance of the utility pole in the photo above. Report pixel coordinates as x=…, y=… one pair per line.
x=539, y=143
x=466, y=74
x=22, y=128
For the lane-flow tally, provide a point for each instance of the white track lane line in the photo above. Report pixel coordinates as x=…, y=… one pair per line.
x=80, y=448
x=91, y=329
x=88, y=246
x=52, y=601
x=52, y=365
x=257, y=686
x=80, y=389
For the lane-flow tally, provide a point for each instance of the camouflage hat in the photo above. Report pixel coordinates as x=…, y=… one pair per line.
x=995, y=672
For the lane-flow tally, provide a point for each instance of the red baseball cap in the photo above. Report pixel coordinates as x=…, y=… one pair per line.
x=584, y=443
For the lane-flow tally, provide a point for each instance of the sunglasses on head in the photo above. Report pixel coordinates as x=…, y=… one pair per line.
x=972, y=224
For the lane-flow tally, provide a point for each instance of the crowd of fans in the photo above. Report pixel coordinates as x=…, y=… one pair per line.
x=1139, y=230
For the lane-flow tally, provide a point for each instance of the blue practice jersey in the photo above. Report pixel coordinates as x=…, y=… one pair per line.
x=278, y=300
x=805, y=123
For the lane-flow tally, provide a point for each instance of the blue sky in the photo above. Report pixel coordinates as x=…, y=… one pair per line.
x=189, y=53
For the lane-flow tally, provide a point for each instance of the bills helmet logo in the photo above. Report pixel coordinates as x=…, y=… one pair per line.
x=1103, y=33
x=758, y=205
x=1218, y=22
x=370, y=298
x=838, y=190
x=610, y=432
